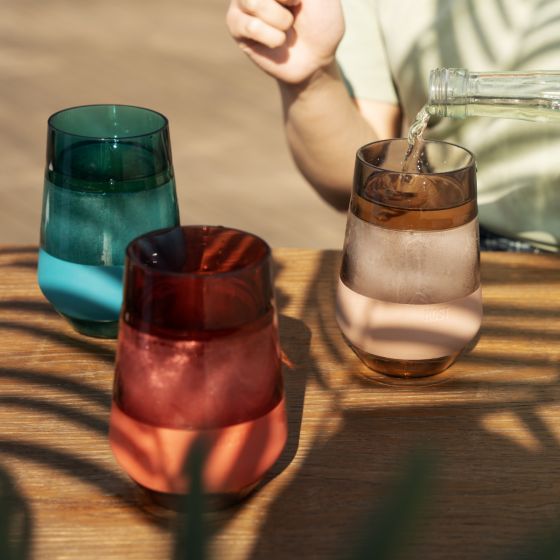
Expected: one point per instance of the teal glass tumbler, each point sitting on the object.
(108, 179)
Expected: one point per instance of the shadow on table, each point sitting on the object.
(24, 257)
(495, 491)
(494, 480)
(294, 379)
(36, 320)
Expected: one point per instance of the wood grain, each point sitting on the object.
(492, 421)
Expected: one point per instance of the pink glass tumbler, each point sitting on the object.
(198, 358)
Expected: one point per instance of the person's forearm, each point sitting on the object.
(324, 129)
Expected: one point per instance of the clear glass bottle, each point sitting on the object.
(459, 93)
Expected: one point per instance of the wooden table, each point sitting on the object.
(493, 421)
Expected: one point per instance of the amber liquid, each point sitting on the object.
(442, 209)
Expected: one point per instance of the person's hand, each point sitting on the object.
(288, 39)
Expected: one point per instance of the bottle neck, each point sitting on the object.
(448, 92)
(458, 93)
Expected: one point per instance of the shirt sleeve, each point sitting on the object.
(361, 54)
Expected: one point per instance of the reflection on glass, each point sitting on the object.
(109, 178)
(198, 358)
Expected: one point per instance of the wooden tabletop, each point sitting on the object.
(492, 423)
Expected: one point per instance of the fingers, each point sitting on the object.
(270, 12)
(263, 21)
(254, 29)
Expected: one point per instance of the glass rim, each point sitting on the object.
(163, 126)
(360, 152)
(198, 274)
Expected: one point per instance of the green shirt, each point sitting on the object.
(387, 53)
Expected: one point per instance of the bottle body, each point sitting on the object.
(458, 93)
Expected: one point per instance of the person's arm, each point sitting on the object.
(325, 127)
(295, 42)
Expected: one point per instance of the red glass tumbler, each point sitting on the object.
(198, 357)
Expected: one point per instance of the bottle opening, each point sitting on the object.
(447, 92)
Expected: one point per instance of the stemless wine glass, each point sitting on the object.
(408, 299)
(198, 357)
(109, 178)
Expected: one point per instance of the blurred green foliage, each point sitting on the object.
(15, 521)
(190, 537)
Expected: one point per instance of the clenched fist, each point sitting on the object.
(288, 39)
